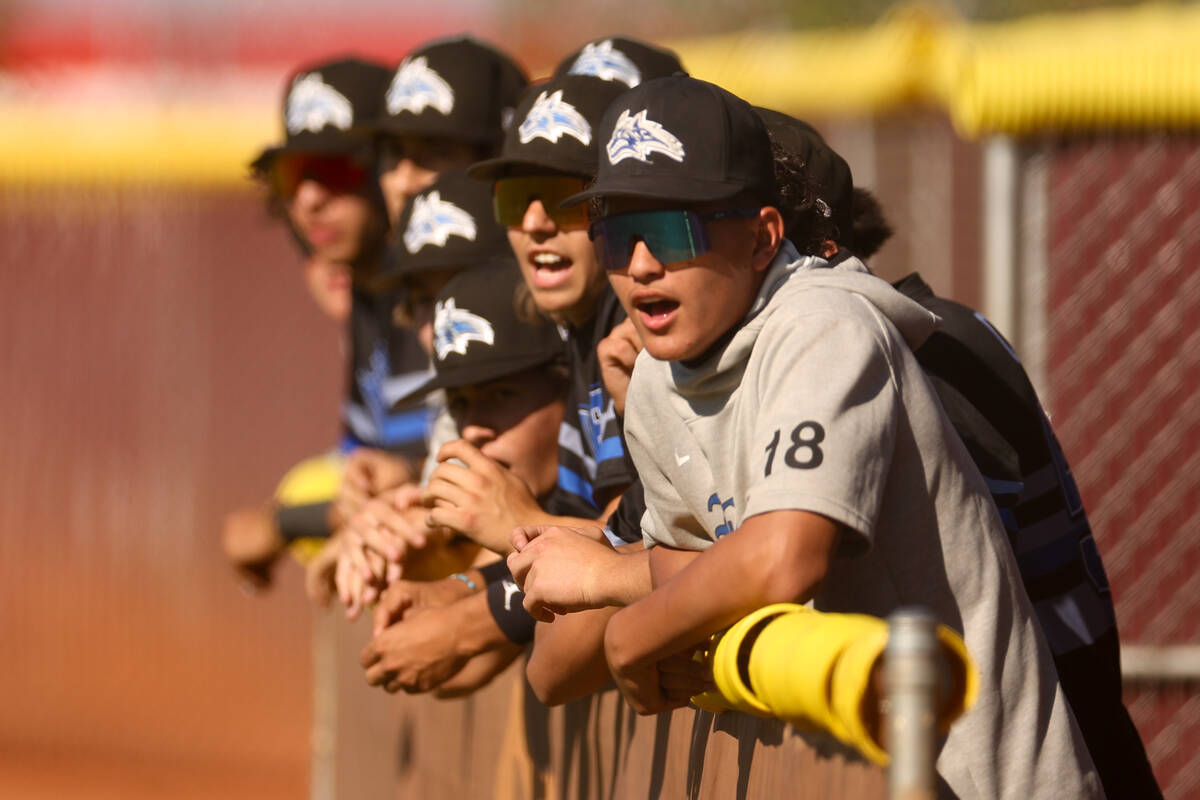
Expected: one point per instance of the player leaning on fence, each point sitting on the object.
(785, 433)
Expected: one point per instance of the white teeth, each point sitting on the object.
(547, 259)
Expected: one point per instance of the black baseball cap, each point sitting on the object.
(623, 59)
(478, 335)
(456, 88)
(554, 130)
(679, 138)
(449, 225)
(828, 171)
(325, 103)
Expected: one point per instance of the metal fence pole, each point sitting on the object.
(911, 665)
(1000, 197)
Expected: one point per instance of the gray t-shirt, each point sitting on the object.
(817, 403)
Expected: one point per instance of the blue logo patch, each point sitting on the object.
(635, 136)
(454, 328)
(606, 62)
(551, 117)
(416, 87)
(726, 526)
(312, 104)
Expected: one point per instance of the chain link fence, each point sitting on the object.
(1122, 353)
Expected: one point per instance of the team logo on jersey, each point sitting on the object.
(607, 63)
(726, 526)
(434, 221)
(312, 104)
(551, 117)
(371, 381)
(635, 136)
(416, 87)
(595, 417)
(510, 590)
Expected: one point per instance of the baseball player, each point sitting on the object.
(504, 379)
(444, 107)
(548, 153)
(784, 432)
(322, 177)
(447, 228)
(319, 182)
(995, 411)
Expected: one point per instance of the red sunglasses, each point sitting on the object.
(338, 174)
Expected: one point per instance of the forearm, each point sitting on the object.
(628, 579)
(567, 661)
(479, 672)
(667, 562)
(477, 631)
(759, 564)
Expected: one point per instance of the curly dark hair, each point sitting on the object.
(806, 218)
(871, 228)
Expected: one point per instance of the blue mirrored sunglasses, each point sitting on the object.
(672, 235)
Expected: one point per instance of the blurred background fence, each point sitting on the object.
(162, 365)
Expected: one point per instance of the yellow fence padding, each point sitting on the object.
(136, 142)
(1114, 69)
(816, 671)
(313, 480)
(818, 73)
(1133, 68)
(1130, 68)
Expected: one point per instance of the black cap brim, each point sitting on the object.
(393, 272)
(492, 369)
(326, 148)
(687, 190)
(418, 130)
(496, 168)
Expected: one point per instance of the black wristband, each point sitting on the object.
(309, 521)
(504, 601)
(495, 571)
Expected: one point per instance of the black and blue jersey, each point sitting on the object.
(386, 364)
(996, 412)
(593, 462)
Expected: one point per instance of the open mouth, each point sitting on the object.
(549, 269)
(551, 261)
(656, 313)
(658, 308)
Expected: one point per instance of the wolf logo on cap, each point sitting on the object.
(434, 221)
(454, 328)
(312, 104)
(416, 87)
(551, 117)
(636, 136)
(606, 62)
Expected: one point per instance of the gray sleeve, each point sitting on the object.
(649, 529)
(823, 434)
